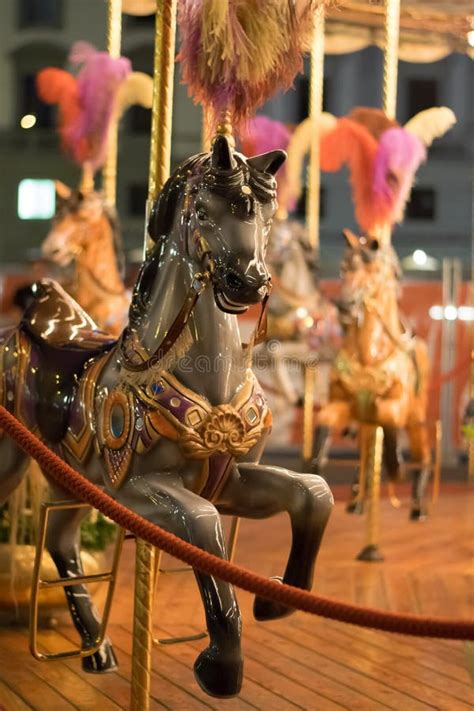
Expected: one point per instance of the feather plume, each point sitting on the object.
(432, 123)
(234, 55)
(298, 147)
(399, 155)
(98, 81)
(374, 120)
(263, 134)
(137, 89)
(351, 143)
(55, 86)
(86, 102)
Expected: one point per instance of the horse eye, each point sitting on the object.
(201, 214)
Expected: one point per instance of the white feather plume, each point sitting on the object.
(298, 147)
(431, 123)
(136, 89)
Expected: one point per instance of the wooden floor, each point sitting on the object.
(302, 662)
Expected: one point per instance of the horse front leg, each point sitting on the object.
(420, 452)
(63, 544)
(258, 491)
(163, 500)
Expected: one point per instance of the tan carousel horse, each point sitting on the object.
(380, 375)
(85, 236)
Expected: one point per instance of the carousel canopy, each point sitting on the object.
(428, 30)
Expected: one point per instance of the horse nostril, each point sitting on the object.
(234, 281)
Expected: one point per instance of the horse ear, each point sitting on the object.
(62, 191)
(269, 162)
(351, 239)
(221, 155)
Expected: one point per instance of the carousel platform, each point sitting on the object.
(302, 662)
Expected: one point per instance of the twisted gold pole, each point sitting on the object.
(114, 41)
(145, 567)
(390, 59)
(373, 440)
(315, 111)
(308, 410)
(162, 106)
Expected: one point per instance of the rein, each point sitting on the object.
(198, 285)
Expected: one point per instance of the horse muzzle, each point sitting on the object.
(235, 291)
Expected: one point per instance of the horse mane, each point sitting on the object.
(226, 183)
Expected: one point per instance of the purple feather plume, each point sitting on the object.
(98, 81)
(399, 155)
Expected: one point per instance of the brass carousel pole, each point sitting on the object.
(147, 563)
(390, 72)
(372, 441)
(162, 107)
(372, 444)
(313, 205)
(114, 41)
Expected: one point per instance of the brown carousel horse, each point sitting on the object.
(85, 240)
(169, 419)
(380, 375)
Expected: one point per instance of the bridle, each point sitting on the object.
(199, 282)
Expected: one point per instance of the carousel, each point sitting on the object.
(224, 475)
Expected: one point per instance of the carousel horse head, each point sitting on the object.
(368, 271)
(220, 206)
(82, 222)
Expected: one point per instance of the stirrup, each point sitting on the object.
(232, 545)
(39, 584)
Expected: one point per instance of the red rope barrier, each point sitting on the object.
(293, 597)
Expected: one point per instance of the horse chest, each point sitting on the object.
(129, 424)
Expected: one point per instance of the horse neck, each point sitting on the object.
(379, 319)
(215, 365)
(97, 263)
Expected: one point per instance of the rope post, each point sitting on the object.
(142, 626)
(315, 111)
(114, 41)
(373, 441)
(308, 410)
(162, 105)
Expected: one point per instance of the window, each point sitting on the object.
(301, 205)
(422, 94)
(30, 103)
(302, 96)
(140, 119)
(138, 21)
(40, 13)
(36, 199)
(422, 205)
(137, 197)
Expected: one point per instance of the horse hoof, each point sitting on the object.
(217, 676)
(265, 610)
(355, 507)
(417, 514)
(102, 661)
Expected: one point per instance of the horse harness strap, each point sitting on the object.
(198, 284)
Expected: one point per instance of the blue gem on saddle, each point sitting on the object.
(157, 388)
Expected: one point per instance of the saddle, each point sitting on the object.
(64, 339)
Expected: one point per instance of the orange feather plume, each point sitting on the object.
(56, 86)
(351, 143)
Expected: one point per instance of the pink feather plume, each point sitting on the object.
(263, 134)
(98, 81)
(399, 155)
